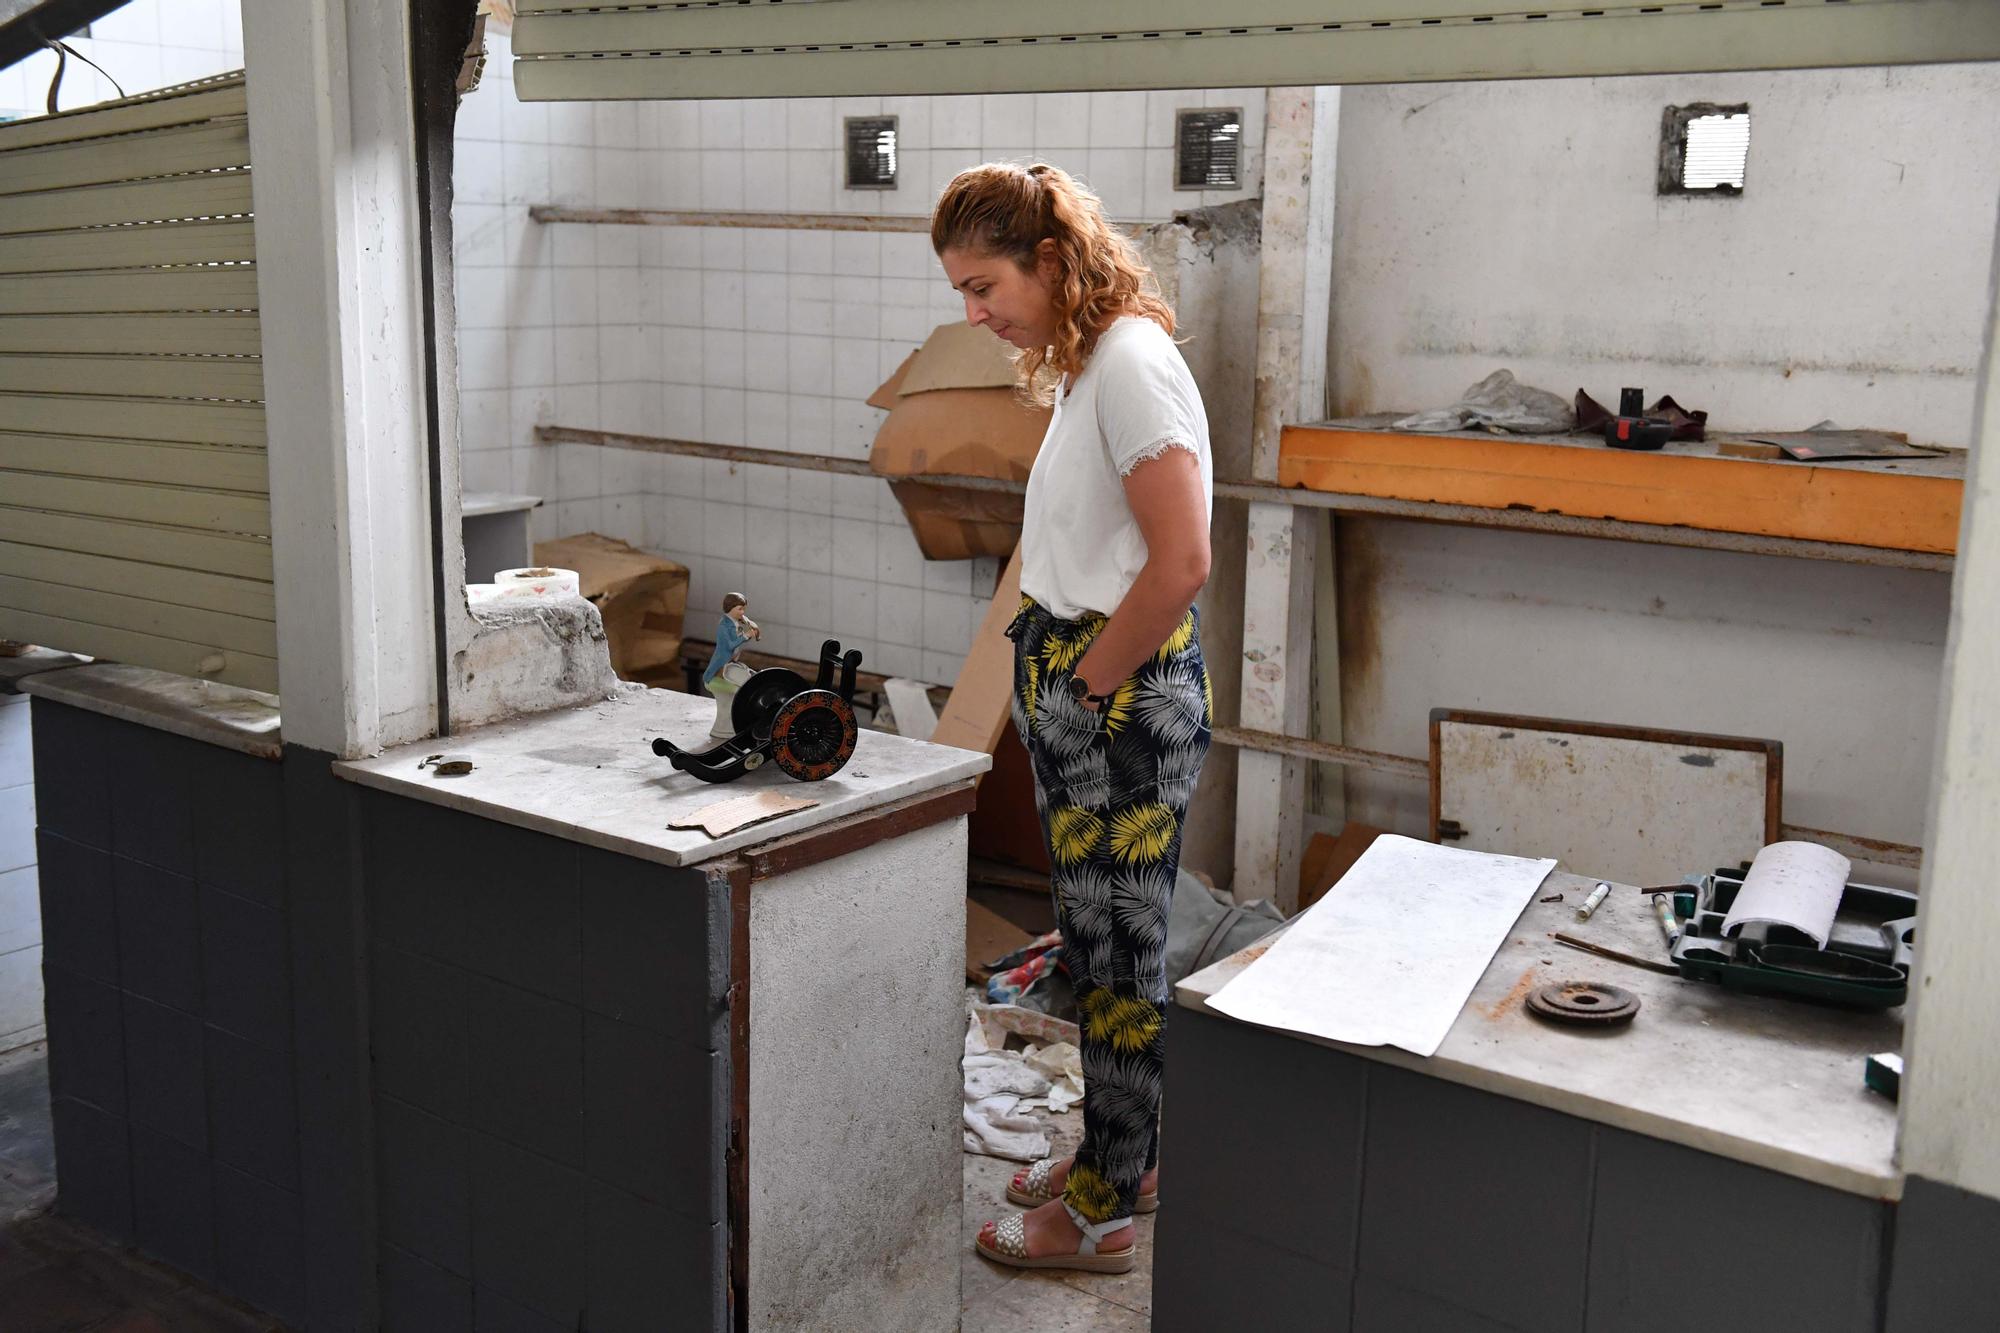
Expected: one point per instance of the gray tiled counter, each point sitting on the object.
(1715, 1164)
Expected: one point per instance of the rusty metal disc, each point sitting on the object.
(1589, 1003)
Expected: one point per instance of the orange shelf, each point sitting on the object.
(1907, 504)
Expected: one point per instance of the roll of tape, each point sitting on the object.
(538, 581)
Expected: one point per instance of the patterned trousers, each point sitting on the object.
(1112, 787)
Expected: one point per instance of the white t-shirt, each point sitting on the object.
(1081, 548)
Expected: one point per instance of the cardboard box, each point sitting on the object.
(642, 597)
(953, 410)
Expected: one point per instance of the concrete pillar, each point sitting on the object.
(332, 142)
(1283, 543)
(1951, 1088)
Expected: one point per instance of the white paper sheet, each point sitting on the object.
(1796, 884)
(1389, 955)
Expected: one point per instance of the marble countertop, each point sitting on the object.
(589, 774)
(225, 715)
(1772, 1082)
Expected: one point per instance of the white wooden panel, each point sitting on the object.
(204, 335)
(167, 584)
(174, 506)
(166, 419)
(208, 466)
(236, 378)
(127, 157)
(251, 670)
(1641, 811)
(206, 194)
(183, 105)
(220, 553)
(146, 245)
(233, 288)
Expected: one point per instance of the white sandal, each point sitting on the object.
(1010, 1246)
(1036, 1190)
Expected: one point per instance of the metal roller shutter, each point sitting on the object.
(135, 516)
(569, 50)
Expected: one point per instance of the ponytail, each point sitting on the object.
(1009, 210)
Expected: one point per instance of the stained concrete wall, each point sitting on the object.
(1482, 225)
(1517, 224)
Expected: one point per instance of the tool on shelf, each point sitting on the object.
(1632, 428)
(1865, 965)
(1615, 955)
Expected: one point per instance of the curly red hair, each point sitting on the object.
(1002, 208)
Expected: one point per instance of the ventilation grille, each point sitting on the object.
(1208, 149)
(871, 153)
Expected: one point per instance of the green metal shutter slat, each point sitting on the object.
(205, 194)
(196, 335)
(867, 47)
(235, 378)
(185, 105)
(150, 245)
(169, 506)
(217, 553)
(126, 157)
(251, 670)
(113, 293)
(166, 420)
(206, 467)
(170, 585)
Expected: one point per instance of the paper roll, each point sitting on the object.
(1793, 884)
(537, 581)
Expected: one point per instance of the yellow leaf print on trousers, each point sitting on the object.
(1118, 712)
(1063, 654)
(1031, 691)
(1090, 1193)
(1074, 834)
(1178, 641)
(1142, 833)
(1124, 1022)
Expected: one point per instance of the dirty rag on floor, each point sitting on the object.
(1004, 1087)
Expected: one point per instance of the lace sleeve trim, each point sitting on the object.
(1155, 450)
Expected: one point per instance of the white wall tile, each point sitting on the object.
(854, 612)
(1008, 118)
(809, 252)
(956, 122)
(1118, 120)
(766, 181)
(722, 416)
(809, 492)
(767, 416)
(765, 302)
(721, 124)
(899, 615)
(766, 361)
(810, 365)
(1062, 120)
(809, 123)
(722, 179)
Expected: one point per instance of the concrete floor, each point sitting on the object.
(1007, 1300)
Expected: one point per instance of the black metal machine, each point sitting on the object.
(808, 729)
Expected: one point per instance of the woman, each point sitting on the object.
(1111, 697)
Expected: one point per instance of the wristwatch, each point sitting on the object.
(1080, 691)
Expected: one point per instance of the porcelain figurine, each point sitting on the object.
(725, 675)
